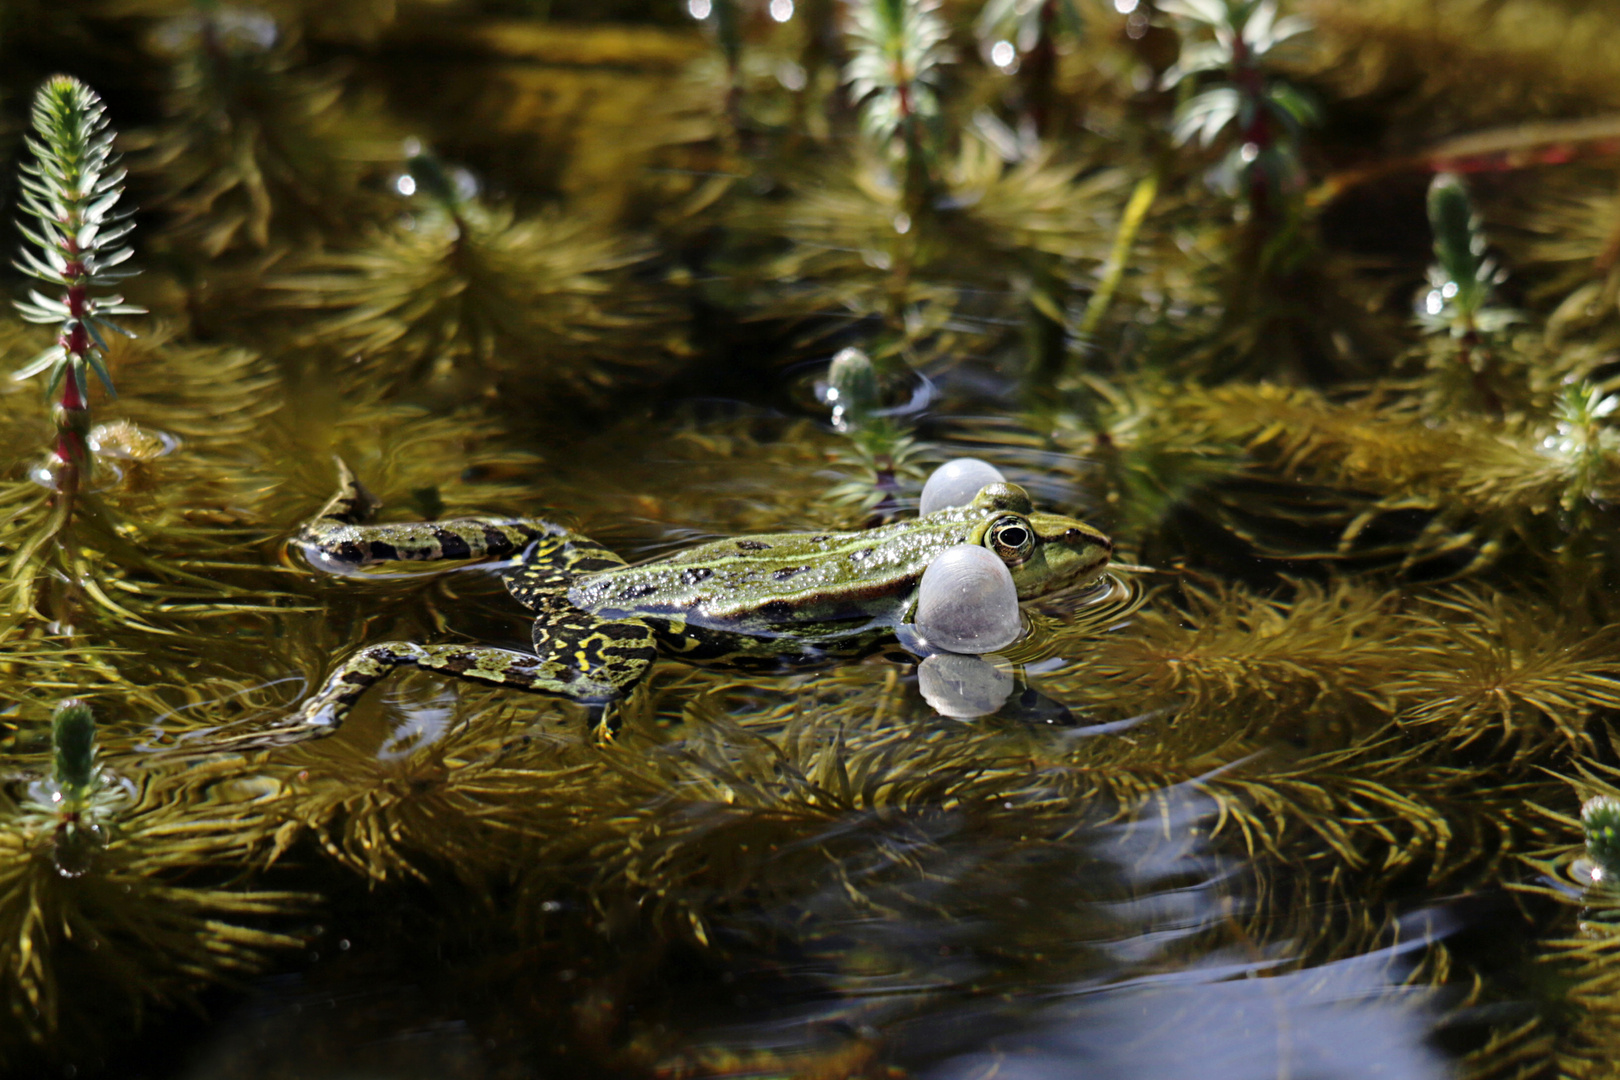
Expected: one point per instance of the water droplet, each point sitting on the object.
(791, 76)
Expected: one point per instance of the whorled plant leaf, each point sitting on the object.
(480, 294)
(256, 145)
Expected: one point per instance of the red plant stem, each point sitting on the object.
(76, 342)
(1251, 83)
(1041, 69)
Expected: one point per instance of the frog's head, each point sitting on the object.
(1045, 552)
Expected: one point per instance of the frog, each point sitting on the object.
(757, 602)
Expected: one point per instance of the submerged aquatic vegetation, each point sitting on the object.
(462, 289)
(116, 903)
(439, 795)
(1373, 634)
(255, 146)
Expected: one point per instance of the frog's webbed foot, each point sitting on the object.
(339, 537)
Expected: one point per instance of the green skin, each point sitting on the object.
(752, 602)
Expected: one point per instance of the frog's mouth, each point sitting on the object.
(1087, 574)
(1061, 573)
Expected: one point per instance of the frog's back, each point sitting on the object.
(773, 582)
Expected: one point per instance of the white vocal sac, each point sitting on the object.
(967, 602)
(956, 482)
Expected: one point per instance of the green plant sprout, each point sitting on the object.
(1600, 817)
(1463, 279)
(882, 451)
(1462, 286)
(73, 750)
(1588, 446)
(75, 781)
(69, 191)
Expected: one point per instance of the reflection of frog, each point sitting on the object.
(753, 601)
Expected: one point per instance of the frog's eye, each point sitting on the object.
(1012, 539)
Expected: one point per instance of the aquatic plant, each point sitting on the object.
(105, 906)
(1263, 112)
(898, 47)
(437, 796)
(69, 190)
(1459, 301)
(73, 748)
(1023, 36)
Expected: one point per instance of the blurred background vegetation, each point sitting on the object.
(1315, 308)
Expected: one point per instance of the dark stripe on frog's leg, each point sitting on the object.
(340, 535)
(550, 566)
(326, 711)
(610, 653)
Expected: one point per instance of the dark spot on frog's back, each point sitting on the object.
(753, 545)
(861, 554)
(636, 592)
(787, 572)
(378, 551)
(453, 546)
(695, 575)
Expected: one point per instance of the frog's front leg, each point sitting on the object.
(340, 537)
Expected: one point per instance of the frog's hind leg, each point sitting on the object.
(340, 536)
(613, 654)
(588, 660)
